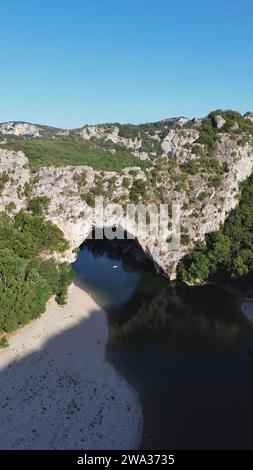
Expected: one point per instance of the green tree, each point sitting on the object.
(38, 205)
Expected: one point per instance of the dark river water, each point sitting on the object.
(188, 351)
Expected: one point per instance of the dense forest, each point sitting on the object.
(227, 253)
(27, 278)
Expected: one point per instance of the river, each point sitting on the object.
(187, 351)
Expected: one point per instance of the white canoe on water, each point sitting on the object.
(247, 309)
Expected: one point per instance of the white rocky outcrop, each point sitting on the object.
(175, 141)
(15, 165)
(112, 133)
(197, 120)
(219, 121)
(89, 132)
(235, 126)
(182, 121)
(248, 117)
(20, 129)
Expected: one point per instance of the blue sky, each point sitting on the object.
(67, 63)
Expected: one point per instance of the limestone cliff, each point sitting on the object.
(180, 168)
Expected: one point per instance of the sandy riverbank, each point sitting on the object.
(56, 389)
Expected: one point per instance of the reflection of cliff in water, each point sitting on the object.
(186, 316)
(186, 350)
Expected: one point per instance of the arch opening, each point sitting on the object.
(128, 249)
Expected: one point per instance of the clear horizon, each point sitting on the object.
(69, 64)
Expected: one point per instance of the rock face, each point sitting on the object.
(204, 205)
(219, 121)
(249, 117)
(14, 164)
(25, 130)
(174, 142)
(182, 121)
(20, 129)
(111, 133)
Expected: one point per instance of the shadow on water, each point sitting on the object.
(187, 351)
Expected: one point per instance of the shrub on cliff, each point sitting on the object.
(138, 192)
(3, 342)
(38, 205)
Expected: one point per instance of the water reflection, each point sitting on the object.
(179, 315)
(187, 351)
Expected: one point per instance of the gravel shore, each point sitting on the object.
(56, 389)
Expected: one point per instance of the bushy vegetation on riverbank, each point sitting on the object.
(228, 252)
(27, 279)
